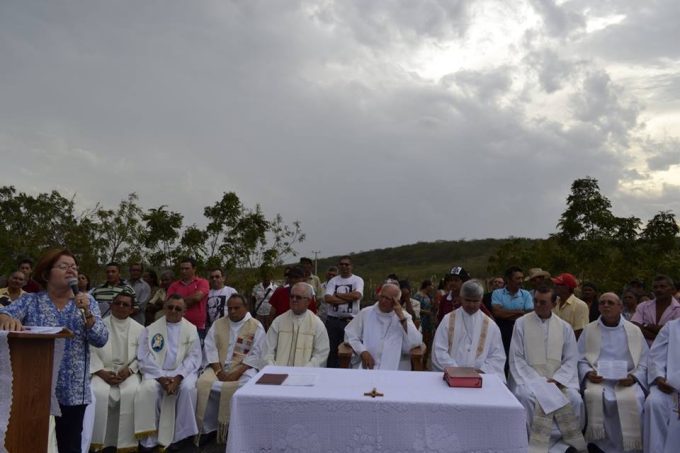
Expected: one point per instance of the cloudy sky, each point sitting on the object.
(375, 123)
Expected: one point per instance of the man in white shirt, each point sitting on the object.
(115, 378)
(466, 337)
(260, 296)
(543, 349)
(613, 404)
(169, 355)
(232, 350)
(383, 334)
(662, 408)
(297, 337)
(142, 291)
(343, 296)
(217, 296)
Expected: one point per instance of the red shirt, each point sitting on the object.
(280, 300)
(197, 313)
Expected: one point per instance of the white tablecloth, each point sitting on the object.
(419, 412)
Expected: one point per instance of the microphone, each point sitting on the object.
(73, 283)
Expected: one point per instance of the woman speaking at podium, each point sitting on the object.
(56, 306)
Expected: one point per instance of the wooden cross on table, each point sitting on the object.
(373, 393)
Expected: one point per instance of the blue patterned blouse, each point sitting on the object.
(73, 382)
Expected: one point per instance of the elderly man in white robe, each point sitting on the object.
(613, 372)
(467, 337)
(543, 349)
(383, 334)
(662, 408)
(115, 379)
(298, 337)
(232, 349)
(170, 357)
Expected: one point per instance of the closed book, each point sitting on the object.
(272, 379)
(462, 377)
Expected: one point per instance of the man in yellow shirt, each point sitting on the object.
(569, 307)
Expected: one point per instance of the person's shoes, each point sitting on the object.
(207, 438)
(592, 448)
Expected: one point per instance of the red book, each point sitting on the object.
(462, 377)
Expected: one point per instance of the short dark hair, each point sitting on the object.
(175, 296)
(666, 278)
(137, 263)
(511, 270)
(545, 289)
(217, 269)
(238, 296)
(188, 259)
(126, 293)
(305, 260)
(425, 283)
(46, 262)
(345, 257)
(24, 261)
(113, 263)
(590, 285)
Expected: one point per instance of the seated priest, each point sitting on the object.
(115, 378)
(232, 350)
(298, 337)
(169, 355)
(543, 349)
(383, 334)
(613, 372)
(467, 337)
(662, 409)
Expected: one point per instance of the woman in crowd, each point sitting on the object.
(154, 307)
(426, 325)
(84, 283)
(57, 306)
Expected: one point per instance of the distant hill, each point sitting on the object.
(422, 260)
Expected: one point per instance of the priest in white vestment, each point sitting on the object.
(298, 337)
(115, 379)
(467, 337)
(543, 349)
(232, 350)
(614, 401)
(383, 334)
(170, 357)
(662, 408)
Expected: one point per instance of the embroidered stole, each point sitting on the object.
(626, 398)
(482, 336)
(546, 359)
(244, 343)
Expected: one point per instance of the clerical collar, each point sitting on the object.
(383, 314)
(300, 316)
(237, 324)
(115, 320)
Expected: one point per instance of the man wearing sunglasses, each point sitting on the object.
(613, 372)
(115, 378)
(169, 356)
(297, 337)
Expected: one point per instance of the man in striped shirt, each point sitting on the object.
(113, 286)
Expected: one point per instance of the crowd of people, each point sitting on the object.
(155, 361)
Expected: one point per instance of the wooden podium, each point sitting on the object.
(32, 357)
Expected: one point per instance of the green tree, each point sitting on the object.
(119, 233)
(162, 231)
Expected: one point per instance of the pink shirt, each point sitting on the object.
(645, 313)
(197, 313)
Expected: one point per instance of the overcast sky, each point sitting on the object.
(374, 123)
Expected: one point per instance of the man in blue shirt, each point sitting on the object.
(510, 303)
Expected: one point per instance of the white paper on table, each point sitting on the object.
(612, 369)
(300, 380)
(42, 329)
(548, 395)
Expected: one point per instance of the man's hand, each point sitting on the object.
(553, 381)
(109, 377)
(593, 377)
(663, 385)
(124, 373)
(628, 381)
(9, 323)
(173, 384)
(367, 360)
